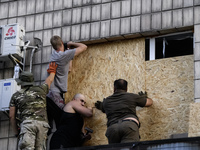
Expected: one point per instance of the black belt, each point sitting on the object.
(132, 121)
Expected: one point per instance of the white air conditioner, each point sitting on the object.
(12, 34)
(7, 88)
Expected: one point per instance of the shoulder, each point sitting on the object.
(14, 98)
(69, 51)
(75, 104)
(40, 88)
(122, 94)
(132, 94)
(18, 93)
(44, 86)
(72, 103)
(69, 107)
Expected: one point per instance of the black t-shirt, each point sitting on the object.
(68, 133)
(122, 105)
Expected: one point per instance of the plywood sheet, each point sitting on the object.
(94, 72)
(194, 121)
(169, 82)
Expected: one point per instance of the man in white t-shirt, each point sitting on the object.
(62, 55)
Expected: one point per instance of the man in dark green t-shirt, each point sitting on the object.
(120, 108)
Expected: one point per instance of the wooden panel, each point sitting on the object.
(94, 72)
(169, 82)
(194, 122)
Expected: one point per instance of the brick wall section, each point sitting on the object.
(197, 51)
(197, 62)
(93, 21)
(88, 17)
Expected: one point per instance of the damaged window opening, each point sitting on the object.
(169, 46)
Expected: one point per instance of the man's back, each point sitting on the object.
(121, 105)
(120, 108)
(62, 59)
(31, 103)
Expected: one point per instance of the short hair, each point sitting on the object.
(120, 84)
(78, 95)
(56, 42)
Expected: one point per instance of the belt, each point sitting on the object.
(126, 120)
(132, 121)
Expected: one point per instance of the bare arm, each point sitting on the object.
(70, 66)
(13, 119)
(52, 71)
(80, 47)
(50, 79)
(83, 128)
(149, 102)
(87, 112)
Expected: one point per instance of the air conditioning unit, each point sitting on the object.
(7, 88)
(12, 34)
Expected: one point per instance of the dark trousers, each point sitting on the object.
(123, 132)
(53, 112)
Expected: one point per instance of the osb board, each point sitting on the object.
(169, 82)
(194, 123)
(94, 72)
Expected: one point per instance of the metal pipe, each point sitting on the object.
(31, 59)
(24, 49)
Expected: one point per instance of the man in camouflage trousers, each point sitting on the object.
(29, 104)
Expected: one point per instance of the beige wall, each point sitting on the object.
(168, 81)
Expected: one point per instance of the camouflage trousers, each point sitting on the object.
(33, 135)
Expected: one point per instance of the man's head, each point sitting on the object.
(25, 79)
(120, 85)
(57, 43)
(80, 98)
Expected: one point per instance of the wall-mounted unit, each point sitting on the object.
(10, 35)
(7, 88)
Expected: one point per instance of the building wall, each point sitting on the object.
(169, 82)
(7, 139)
(96, 69)
(93, 21)
(113, 22)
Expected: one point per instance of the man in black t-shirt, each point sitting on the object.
(120, 108)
